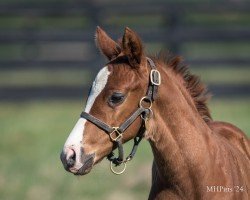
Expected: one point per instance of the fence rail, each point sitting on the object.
(183, 34)
(53, 92)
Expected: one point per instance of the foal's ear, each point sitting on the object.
(132, 47)
(106, 45)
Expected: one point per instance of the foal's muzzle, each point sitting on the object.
(77, 162)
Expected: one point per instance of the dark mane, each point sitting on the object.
(196, 88)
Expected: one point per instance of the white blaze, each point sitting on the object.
(98, 85)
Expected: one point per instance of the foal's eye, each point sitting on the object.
(116, 98)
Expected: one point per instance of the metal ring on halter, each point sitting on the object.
(146, 99)
(119, 172)
(149, 115)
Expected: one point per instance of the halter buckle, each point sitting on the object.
(115, 135)
(155, 77)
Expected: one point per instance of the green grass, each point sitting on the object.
(32, 135)
(235, 111)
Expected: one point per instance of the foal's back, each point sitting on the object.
(233, 135)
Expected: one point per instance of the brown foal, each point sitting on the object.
(194, 156)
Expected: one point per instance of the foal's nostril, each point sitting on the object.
(70, 158)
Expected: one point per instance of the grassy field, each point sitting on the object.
(32, 135)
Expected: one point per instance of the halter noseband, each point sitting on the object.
(116, 133)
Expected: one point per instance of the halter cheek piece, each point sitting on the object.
(144, 110)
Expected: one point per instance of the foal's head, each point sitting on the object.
(114, 95)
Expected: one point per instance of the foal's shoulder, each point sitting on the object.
(232, 134)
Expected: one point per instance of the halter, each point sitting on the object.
(116, 133)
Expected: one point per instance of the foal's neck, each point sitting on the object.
(177, 136)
